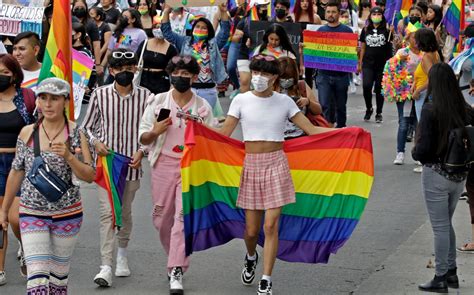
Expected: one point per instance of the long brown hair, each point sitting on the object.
(288, 70)
(298, 11)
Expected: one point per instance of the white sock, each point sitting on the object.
(268, 278)
(122, 252)
(252, 258)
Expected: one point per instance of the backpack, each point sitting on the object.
(460, 150)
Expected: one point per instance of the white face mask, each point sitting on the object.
(260, 83)
(157, 33)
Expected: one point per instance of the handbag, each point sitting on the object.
(460, 150)
(316, 120)
(50, 185)
(137, 78)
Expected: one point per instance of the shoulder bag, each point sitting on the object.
(138, 75)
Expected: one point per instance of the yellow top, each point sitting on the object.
(420, 76)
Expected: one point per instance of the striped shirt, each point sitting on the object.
(114, 120)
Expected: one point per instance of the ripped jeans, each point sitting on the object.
(168, 209)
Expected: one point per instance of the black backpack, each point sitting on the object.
(459, 155)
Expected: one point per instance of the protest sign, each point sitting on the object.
(293, 30)
(81, 72)
(330, 51)
(15, 19)
(194, 3)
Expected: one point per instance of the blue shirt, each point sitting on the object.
(339, 29)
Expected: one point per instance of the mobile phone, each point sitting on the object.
(164, 114)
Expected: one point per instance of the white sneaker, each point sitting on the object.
(176, 281)
(352, 88)
(20, 251)
(418, 163)
(104, 277)
(357, 80)
(3, 278)
(122, 269)
(399, 159)
(418, 169)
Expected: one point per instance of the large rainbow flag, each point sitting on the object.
(453, 18)
(57, 61)
(396, 10)
(111, 174)
(332, 173)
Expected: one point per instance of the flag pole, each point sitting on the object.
(393, 20)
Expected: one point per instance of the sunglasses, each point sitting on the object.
(186, 59)
(127, 54)
(265, 57)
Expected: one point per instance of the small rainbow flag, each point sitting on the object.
(330, 51)
(111, 174)
(397, 8)
(454, 18)
(332, 173)
(57, 61)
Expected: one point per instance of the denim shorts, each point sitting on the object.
(6, 160)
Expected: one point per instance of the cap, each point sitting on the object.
(53, 86)
(259, 2)
(376, 9)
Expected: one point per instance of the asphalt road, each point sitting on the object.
(393, 213)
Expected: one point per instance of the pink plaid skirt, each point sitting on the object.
(265, 182)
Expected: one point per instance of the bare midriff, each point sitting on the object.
(259, 147)
(7, 150)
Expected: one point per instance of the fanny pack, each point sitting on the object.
(48, 183)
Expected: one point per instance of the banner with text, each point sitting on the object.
(330, 51)
(15, 19)
(194, 3)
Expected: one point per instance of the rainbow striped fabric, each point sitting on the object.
(111, 174)
(57, 61)
(454, 18)
(332, 173)
(396, 10)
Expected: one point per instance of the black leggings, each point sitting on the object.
(372, 79)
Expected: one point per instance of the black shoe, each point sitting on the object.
(409, 137)
(368, 114)
(452, 278)
(264, 288)
(221, 94)
(378, 118)
(248, 273)
(436, 285)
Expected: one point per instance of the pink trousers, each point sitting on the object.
(168, 209)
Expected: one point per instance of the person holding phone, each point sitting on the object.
(162, 129)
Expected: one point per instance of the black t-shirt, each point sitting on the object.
(92, 30)
(243, 26)
(378, 48)
(112, 15)
(103, 28)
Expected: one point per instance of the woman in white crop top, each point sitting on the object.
(265, 184)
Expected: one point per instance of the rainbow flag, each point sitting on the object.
(332, 173)
(330, 51)
(57, 61)
(396, 10)
(111, 174)
(454, 18)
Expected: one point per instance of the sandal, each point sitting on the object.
(466, 248)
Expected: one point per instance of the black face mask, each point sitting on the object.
(124, 78)
(5, 82)
(414, 19)
(263, 15)
(79, 12)
(124, 21)
(181, 84)
(280, 13)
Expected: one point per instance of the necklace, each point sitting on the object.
(51, 140)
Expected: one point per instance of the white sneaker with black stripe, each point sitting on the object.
(264, 288)
(248, 272)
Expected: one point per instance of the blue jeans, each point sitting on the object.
(232, 57)
(403, 123)
(6, 160)
(419, 104)
(332, 91)
(209, 94)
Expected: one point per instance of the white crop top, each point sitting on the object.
(263, 118)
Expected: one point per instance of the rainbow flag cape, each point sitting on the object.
(453, 19)
(111, 174)
(332, 173)
(57, 61)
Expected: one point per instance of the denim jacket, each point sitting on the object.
(182, 43)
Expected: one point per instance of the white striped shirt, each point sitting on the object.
(114, 120)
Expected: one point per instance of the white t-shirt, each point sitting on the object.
(263, 118)
(30, 79)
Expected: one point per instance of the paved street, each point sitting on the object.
(387, 253)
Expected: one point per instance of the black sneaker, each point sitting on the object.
(221, 94)
(248, 273)
(264, 288)
(378, 118)
(368, 114)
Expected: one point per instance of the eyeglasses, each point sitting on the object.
(120, 54)
(186, 59)
(265, 57)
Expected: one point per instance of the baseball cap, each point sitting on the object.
(53, 86)
(376, 9)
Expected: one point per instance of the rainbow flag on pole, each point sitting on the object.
(454, 18)
(111, 174)
(332, 174)
(57, 61)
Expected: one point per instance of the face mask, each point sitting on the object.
(260, 83)
(157, 33)
(414, 19)
(124, 21)
(344, 5)
(5, 82)
(280, 13)
(124, 78)
(79, 12)
(199, 34)
(286, 83)
(143, 11)
(263, 15)
(376, 19)
(181, 84)
(344, 20)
